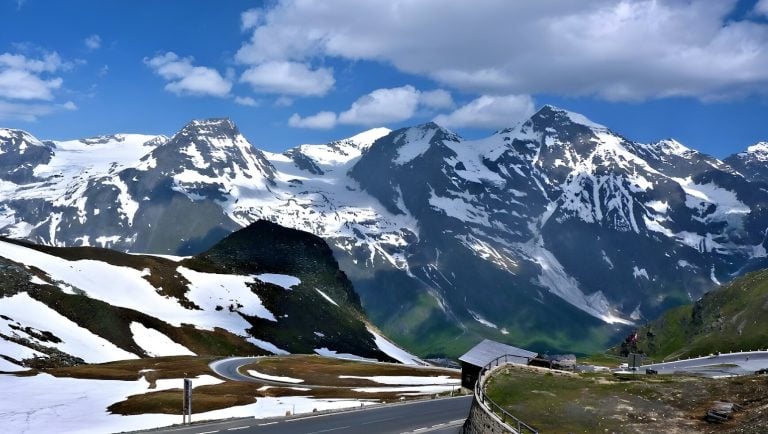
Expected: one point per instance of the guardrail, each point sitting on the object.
(506, 417)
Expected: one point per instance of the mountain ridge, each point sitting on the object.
(405, 211)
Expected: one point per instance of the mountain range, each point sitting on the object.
(556, 233)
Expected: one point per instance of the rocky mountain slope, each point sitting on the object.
(262, 290)
(554, 233)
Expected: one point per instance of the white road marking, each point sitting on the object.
(208, 432)
(329, 430)
(237, 428)
(268, 423)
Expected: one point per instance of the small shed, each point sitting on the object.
(473, 361)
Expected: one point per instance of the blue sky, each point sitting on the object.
(290, 72)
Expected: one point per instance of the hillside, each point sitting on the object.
(733, 317)
(262, 290)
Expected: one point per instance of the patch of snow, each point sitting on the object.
(413, 390)
(557, 281)
(482, 320)
(640, 272)
(283, 280)
(661, 207)
(325, 352)
(394, 351)
(209, 290)
(325, 296)
(416, 141)
(157, 344)
(458, 208)
(407, 379)
(76, 340)
(277, 378)
(713, 277)
(40, 402)
(268, 346)
(6, 366)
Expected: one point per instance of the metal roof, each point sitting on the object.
(487, 350)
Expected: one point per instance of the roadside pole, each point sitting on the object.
(186, 411)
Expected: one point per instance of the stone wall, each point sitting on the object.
(481, 421)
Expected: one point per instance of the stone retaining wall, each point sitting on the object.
(481, 421)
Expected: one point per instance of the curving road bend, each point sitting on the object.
(230, 369)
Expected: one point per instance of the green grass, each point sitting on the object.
(731, 318)
(598, 403)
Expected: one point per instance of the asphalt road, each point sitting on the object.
(716, 365)
(229, 369)
(436, 416)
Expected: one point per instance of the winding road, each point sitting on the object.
(434, 416)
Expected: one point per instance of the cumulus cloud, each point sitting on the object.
(761, 8)
(289, 78)
(186, 79)
(322, 121)
(246, 101)
(93, 42)
(613, 49)
(31, 112)
(26, 78)
(489, 111)
(437, 99)
(249, 19)
(49, 62)
(380, 107)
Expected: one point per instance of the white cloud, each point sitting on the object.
(437, 99)
(489, 112)
(185, 79)
(761, 8)
(27, 78)
(382, 106)
(50, 62)
(246, 101)
(614, 49)
(19, 84)
(323, 121)
(93, 42)
(250, 19)
(289, 78)
(31, 112)
(284, 101)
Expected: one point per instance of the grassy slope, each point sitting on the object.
(601, 403)
(733, 317)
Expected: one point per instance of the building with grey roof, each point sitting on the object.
(473, 361)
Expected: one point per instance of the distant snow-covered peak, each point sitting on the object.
(366, 138)
(550, 111)
(673, 147)
(18, 138)
(415, 141)
(758, 151)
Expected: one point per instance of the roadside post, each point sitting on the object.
(635, 360)
(186, 411)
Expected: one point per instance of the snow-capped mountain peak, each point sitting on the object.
(365, 139)
(565, 116)
(317, 159)
(758, 151)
